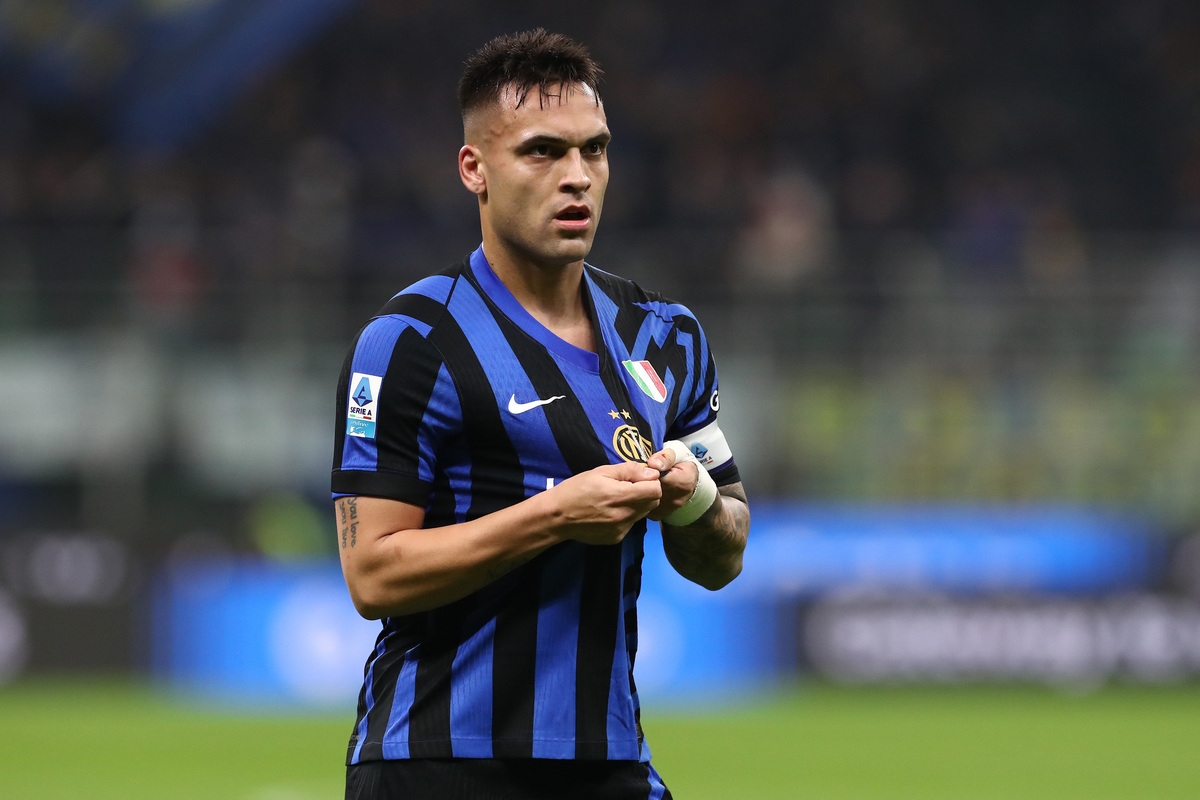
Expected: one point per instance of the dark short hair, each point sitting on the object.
(525, 60)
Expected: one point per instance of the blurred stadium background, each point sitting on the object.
(949, 257)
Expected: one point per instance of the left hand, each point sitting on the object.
(678, 482)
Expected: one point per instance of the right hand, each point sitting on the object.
(601, 505)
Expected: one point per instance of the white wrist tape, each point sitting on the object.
(702, 496)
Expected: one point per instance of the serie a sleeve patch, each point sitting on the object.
(362, 406)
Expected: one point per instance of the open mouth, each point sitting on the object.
(573, 215)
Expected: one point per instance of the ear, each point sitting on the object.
(470, 169)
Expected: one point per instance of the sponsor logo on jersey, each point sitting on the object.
(520, 408)
(701, 454)
(714, 402)
(647, 379)
(631, 445)
(363, 406)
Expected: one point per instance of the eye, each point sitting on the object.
(594, 148)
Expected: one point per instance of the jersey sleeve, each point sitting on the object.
(396, 404)
(695, 424)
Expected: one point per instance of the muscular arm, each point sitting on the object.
(393, 566)
(708, 551)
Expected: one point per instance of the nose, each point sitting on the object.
(575, 177)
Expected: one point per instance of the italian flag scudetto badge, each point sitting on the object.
(647, 379)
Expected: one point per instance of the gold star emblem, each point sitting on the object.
(613, 414)
(625, 414)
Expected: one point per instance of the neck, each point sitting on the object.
(552, 294)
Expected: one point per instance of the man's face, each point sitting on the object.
(542, 172)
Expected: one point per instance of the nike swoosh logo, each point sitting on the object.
(521, 408)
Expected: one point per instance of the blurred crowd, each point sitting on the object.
(755, 143)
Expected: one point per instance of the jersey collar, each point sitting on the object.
(499, 294)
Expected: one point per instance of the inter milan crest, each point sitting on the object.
(631, 445)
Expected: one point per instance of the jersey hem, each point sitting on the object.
(464, 747)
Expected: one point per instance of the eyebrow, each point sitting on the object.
(547, 138)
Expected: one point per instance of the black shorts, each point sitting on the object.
(503, 779)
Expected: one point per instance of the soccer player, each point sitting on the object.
(505, 429)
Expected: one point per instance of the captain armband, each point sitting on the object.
(709, 447)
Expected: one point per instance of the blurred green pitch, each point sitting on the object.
(110, 740)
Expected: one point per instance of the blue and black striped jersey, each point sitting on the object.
(456, 399)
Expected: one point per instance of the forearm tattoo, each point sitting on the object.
(709, 551)
(348, 519)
